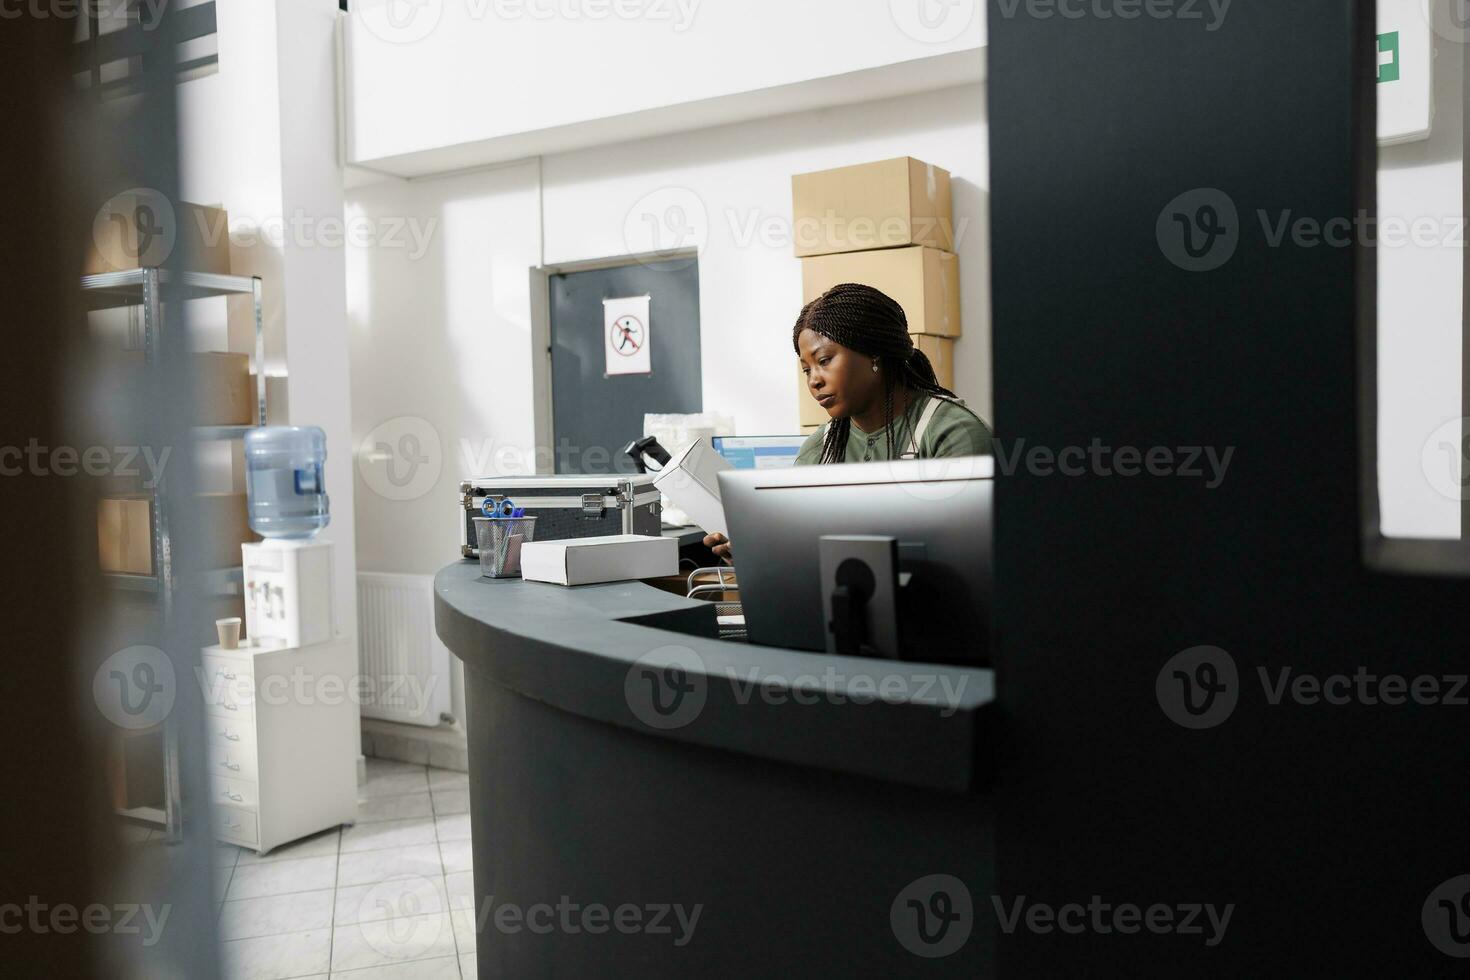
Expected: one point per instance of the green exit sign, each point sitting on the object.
(1388, 57)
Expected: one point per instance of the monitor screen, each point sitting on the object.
(939, 513)
(759, 452)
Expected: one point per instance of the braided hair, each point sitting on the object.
(870, 322)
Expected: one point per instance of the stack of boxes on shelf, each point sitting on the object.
(888, 225)
(135, 236)
(281, 709)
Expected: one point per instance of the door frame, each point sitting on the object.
(543, 426)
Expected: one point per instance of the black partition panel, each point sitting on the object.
(594, 413)
(1149, 604)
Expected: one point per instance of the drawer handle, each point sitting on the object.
(231, 706)
(231, 765)
(234, 796)
(232, 824)
(224, 733)
(227, 676)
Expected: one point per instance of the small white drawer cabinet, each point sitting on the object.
(282, 732)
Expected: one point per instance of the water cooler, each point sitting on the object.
(288, 592)
(283, 731)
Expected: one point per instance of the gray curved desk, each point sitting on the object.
(623, 758)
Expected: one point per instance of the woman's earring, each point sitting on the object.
(875, 367)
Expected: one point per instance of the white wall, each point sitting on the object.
(732, 186)
(260, 139)
(445, 73)
(441, 354)
(1420, 320)
(446, 337)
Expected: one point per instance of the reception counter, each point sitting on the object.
(629, 771)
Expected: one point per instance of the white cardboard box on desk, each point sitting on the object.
(585, 561)
(282, 740)
(288, 591)
(690, 480)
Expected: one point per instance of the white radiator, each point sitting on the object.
(405, 666)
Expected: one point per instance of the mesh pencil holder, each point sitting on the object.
(499, 541)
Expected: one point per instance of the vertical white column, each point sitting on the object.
(314, 269)
(268, 126)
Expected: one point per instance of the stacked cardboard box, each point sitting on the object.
(132, 233)
(889, 225)
(224, 388)
(125, 532)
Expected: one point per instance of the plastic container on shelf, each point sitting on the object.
(283, 480)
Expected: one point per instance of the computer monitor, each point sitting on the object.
(759, 452)
(939, 510)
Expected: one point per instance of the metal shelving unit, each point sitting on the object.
(141, 287)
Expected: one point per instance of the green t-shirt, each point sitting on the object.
(953, 431)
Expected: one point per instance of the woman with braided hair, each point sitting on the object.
(879, 390)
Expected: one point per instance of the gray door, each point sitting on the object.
(594, 415)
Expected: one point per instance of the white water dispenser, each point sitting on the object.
(288, 591)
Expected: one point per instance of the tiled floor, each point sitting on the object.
(386, 899)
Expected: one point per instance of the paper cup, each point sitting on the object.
(229, 632)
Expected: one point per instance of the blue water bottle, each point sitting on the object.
(283, 480)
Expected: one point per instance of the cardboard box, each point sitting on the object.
(690, 481)
(125, 535)
(224, 525)
(199, 233)
(613, 558)
(886, 204)
(939, 350)
(924, 281)
(135, 768)
(224, 388)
